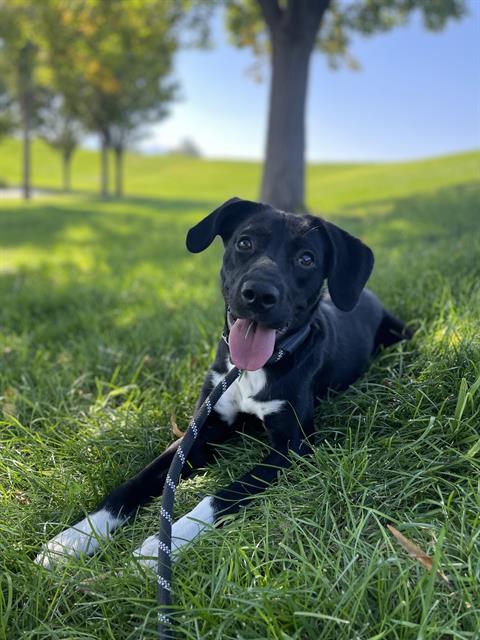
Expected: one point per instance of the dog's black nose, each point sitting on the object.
(259, 295)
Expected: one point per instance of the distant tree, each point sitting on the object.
(146, 91)
(112, 61)
(59, 128)
(187, 147)
(289, 31)
(131, 120)
(19, 70)
(7, 118)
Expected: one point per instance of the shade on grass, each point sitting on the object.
(107, 326)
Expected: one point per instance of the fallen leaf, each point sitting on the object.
(415, 552)
(175, 428)
(21, 497)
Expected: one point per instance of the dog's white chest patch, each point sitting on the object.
(239, 398)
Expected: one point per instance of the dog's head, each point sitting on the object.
(274, 268)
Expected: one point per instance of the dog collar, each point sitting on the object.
(286, 345)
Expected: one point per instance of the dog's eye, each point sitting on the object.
(306, 259)
(244, 244)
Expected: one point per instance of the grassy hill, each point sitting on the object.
(107, 326)
(172, 177)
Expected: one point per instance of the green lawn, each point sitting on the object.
(107, 326)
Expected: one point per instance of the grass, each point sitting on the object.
(107, 326)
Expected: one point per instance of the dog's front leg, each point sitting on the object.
(289, 431)
(86, 536)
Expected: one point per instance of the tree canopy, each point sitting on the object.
(101, 64)
(111, 62)
(249, 21)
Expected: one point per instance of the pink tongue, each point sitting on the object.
(250, 350)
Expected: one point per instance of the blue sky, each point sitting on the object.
(417, 94)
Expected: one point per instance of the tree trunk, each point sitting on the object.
(25, 94)
(119, 171)
(104, 177)
(283, 183)
(66, 170)
(26, 144)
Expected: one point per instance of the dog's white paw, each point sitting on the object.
(82, 538)
(184, 530)
(147, 553)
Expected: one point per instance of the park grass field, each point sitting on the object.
(107, 326)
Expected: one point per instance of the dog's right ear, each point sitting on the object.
(221, 222)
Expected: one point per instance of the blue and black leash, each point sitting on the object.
(164, 566)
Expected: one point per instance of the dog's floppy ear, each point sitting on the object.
(221, 222)
(350, 264)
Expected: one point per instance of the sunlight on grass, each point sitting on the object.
(447, 336)
(106, 329)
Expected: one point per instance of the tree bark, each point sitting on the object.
(66, 170)
(293, 30)
(26, 147)
(283, 183)
(119, 172)
(25, 93)
(104, 174)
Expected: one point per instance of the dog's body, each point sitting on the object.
(273, 275)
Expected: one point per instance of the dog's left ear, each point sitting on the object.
(221, 222)
(350, 263)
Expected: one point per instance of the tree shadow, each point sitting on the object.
(138, 243)
(114, 234)
(123, 260)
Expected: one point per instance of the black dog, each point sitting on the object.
(294, 341)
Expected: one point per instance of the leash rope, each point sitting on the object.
(164, 566)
